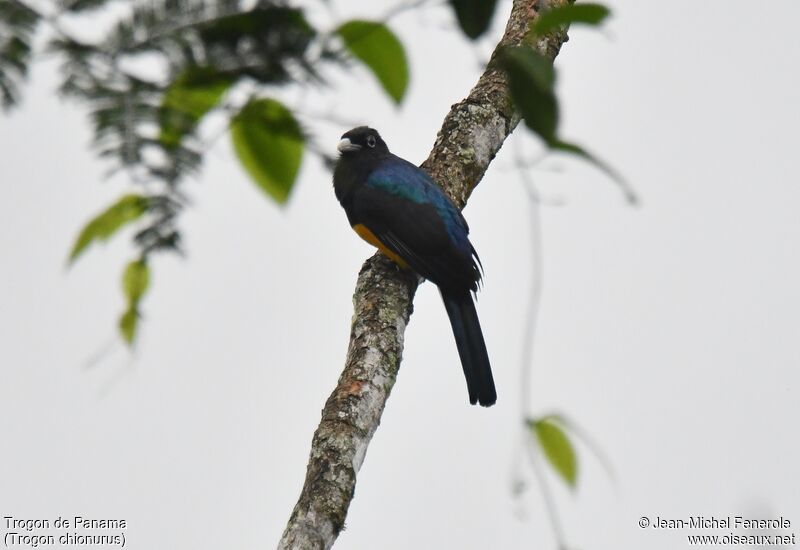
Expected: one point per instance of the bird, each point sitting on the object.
(398, 208)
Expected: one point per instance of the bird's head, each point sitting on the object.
(362, 141)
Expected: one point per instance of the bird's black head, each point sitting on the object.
(362, 141)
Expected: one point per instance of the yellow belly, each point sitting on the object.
(370, 237)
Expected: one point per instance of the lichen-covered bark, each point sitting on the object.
(472, 133)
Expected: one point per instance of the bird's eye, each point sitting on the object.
(371, 141)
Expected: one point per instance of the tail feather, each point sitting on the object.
(471, 347)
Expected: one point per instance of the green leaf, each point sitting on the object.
(557, 448)
(190, 96)
(569, 14)
(127, 325)
(574, 149)
(135, 281)
(197, 91)
(474, 16)
(381, 51)
(531, 79)
(268, 141)
(104, 225)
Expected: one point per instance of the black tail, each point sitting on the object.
(471, 347)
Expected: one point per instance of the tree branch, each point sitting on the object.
(470, 137)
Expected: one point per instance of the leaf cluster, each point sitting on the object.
(18, 24)
(149, 122)
(161, 71)
(532, 80)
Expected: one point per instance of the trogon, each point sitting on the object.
(398, 208)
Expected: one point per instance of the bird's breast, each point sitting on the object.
(364, 232)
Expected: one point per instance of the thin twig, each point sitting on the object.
(535, 292)
(528, 340)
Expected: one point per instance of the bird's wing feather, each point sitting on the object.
(413, 217)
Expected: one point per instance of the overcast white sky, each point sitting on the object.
(669, 332)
